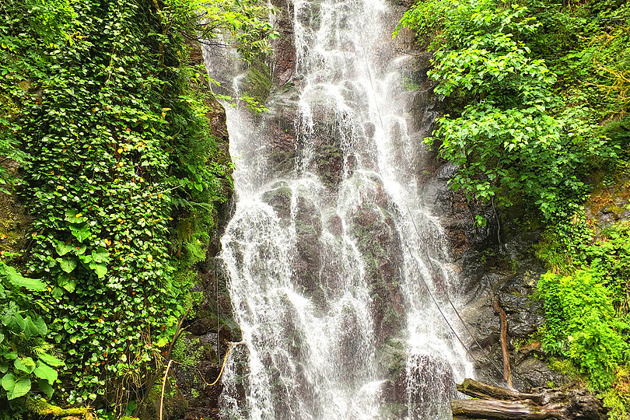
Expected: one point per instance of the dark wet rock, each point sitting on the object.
(284, 54)
(280, 199)
(308, 227)
(379, 243)
(533, 371)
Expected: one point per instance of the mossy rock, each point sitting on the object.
(14, 221)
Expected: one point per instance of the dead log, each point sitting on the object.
(495, 409)
(500, 403)
(478, 389)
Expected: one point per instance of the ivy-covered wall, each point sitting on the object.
(124, 174)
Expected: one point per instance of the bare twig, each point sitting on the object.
(170, 362)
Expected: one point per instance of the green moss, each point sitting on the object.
(393, 356)
(617, 398)
(14, 223)
(43, 408)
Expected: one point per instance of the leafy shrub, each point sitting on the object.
(508, 139)
(586, 301)
(24, 354)
(581, 325)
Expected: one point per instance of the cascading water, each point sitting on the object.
(336, 264)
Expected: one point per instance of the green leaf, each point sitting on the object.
(14, 321)
(30, 329)
(50, 359)
(45, 387)
(42, 329)
(67, 283)
(99, 269)
(18, 280)
(101, 255)
(68, 264)
(15, 387)
(9, 355)
(81, 232)
(25, 364)
(57, 292)
(8, 382)
(44, 371)
(1, 337)
(73, 217)
(63, 248)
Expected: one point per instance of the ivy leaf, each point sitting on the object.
(50, 359)
(13, 320)
(73, 217)
(68, 264)
(99, 269)
(25, 364)
(15, 387)
(42, 329)
(9, 355)
(44, 371)
(67, 283)
(63, 248)
(30, 329)
(81, 232)
(57, 292)
(101, 255)
(8, 381)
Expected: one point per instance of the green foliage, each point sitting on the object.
(587, 304)
(47, 20)
(244, 21)
(122, 175)
(581, 325)
(511, 139)
(24, 354)
(537, 99)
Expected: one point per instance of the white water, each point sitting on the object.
(329, 273)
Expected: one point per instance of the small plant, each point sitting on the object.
(25, 360)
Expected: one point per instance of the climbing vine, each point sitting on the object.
(122, 175)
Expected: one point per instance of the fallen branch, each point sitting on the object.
(502, 403)
(496, 409)
(42, 408)
(507, 377)
(170, 362)
(490, 392)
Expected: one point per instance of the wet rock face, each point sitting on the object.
(489, 264)
(308, 228)
(378, 241)
(508, 270)
(14, 220)
(284, 51)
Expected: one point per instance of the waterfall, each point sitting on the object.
(336, 263)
